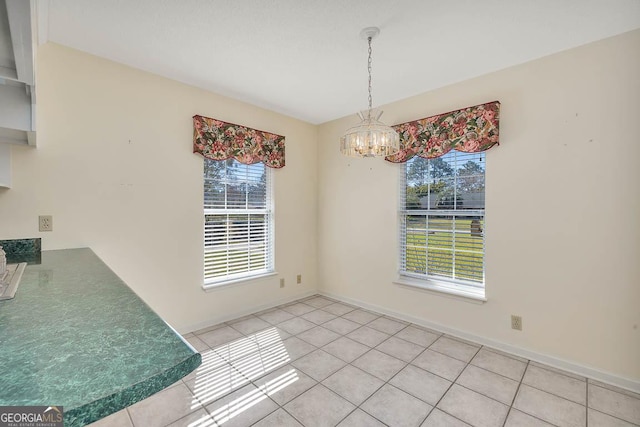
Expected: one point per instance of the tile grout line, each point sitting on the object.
(267, 397)
(467, 364)
(289, 363)
(251, 382)
(610, 387)
(455, 380)
(374, 348)
(495, 373)
(553, 394)
(229, 362)
(433, 407)
(558, 372)
(515, 394)
(535, 388)
(613, 416)
(586, 404)
(449, 388)
(357, 406)
(277, 404)
(289, 413)
(406, 364)
(129, 416)
(348, 363)
(615, 389)
(355, 367)
(479, 367)
(455, 358)
(605, 413)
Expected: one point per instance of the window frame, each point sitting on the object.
(269, 231)
(457, 288)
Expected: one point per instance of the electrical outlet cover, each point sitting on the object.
(45, 223)
(516, 322)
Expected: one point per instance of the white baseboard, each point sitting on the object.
(245, 312)
(555, 362)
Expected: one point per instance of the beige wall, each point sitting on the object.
(562, 210)
(115, 168)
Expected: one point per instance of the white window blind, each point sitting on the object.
(442, 218)
(238, 221)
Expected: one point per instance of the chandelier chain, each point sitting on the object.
(369, 70)
(371, 137)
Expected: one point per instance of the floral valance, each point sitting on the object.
(470, 130)
(218, 140)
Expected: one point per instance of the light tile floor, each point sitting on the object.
(319, 362)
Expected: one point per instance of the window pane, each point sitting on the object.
(417, 184)
(445, 240)
(470, 181)
(256, 186)
(441, 167)
(238, 221)
(214, 184)
(416, 243)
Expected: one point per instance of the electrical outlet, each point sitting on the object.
(45, 223)
(299, 279)
(516, 322)
(282, 283)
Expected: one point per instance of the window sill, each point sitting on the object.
(465, 293)
(236, 282)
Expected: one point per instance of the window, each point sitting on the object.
(238, 221)
(442, 220)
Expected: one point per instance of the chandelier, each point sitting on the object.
(371, 137)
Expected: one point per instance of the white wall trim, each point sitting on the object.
(247, 280)
(5, 165)
(42, 18)
(546, 359)
(461, 293)
(255, 309)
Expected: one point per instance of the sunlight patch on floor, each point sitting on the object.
(233, 365)
(275, 385)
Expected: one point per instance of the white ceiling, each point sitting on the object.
(305, 58)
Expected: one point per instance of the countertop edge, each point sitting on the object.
(108, 405)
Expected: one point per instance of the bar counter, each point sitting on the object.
(76, 335)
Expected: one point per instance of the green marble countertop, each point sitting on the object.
(76, 335)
